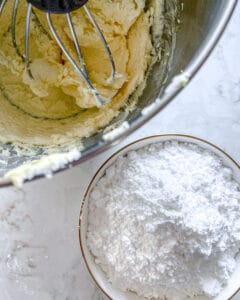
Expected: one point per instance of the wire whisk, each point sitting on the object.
(63, 7)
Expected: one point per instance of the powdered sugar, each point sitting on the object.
(165, 221)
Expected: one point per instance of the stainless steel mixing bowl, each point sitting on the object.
(183, 52)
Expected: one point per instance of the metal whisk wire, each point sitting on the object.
(13, 29)
(84, 76)
(76, 44)
(26, 40)
(80, 68)
(2, 4)
(102, 38)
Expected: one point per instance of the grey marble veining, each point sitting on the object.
(39, 250)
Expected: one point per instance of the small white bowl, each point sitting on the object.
(96, 273)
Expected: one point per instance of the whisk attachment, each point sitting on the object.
(61, 7)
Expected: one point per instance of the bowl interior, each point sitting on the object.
(97, 274)
(201, 22)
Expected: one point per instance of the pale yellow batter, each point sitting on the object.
(56, 107)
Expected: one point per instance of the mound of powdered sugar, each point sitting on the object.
(164, 221)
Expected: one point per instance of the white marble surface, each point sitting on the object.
(39, 249)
